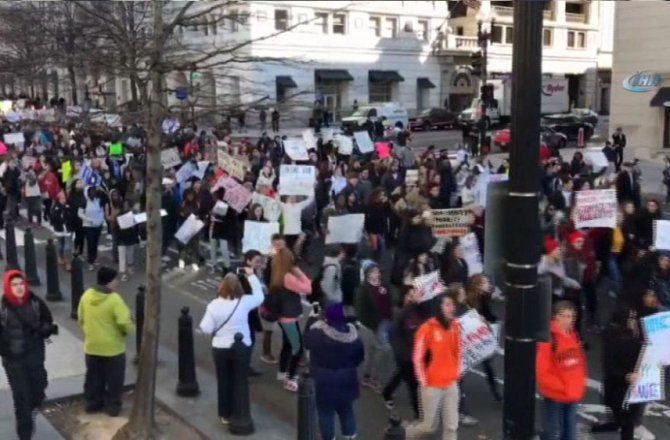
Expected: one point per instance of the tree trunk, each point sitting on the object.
(73, 82)
(141, 425)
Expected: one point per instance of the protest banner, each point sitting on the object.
(237, 197)
(662, 234)
(429, 285)
(471, 254)
(296, 149)
(191, 226)
(345, 228)
(14, 138)
(478, 342)
(595, 209)
(271, 207)
(231, 165)
(296, 180)
(451, 222)
(364, 142)
(126, 221)
(185, 172)
(258, 236)
(411, 177)
(309, 140)
(345, 144)
(383, 149)
(170, 158)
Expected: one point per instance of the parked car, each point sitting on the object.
(586, 115)
(569, 125)
(433, 118)
(553, 139)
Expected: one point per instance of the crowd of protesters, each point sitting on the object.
(369, 314)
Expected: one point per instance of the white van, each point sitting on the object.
(392, 111)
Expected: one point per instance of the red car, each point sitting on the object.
(551, 138)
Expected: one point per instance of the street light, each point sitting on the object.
(483, 37)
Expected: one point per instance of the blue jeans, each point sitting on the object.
(615, 273)
(559, 420)
(347, 421)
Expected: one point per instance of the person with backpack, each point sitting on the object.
(561, 374)
(25, 323)
(225, 317)
(328, 285)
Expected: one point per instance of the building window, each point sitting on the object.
(576, 39)
(497, 34)
(409, 27)
(390, 28)
(321, 22)
(234, 19)
(422, 30)
(380, 92)
(281, 19)
(339, 24)
(575, 7)
(375, 26)
(460, 31)
(509, 35)
(547, 37)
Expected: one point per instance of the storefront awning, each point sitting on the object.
(333, 75)
(661, 97)
(286, 82)
(424, 83)
(384, 76)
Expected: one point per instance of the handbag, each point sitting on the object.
(227, 319)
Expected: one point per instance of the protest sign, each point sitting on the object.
(201, 169)
(220, 208)
(345, 144)
(327, 134)
(595, 209)
(429, 285)
(478, 342)
(258, 236)
(14, 138)
(90, 176)
(126, 220)
(500, 177)
(191, 226)
(185, 172)
(309, 140)
(170, 158)
(451, 222)
(237, 197)
(345, 228)
(657, 332)
(296, 149)
(141, 217)
(271, 207)
(650, 387)
(471, 254)
(296, 180)
(662, 234)
(411, 177)
(383, 149)
(364, 142)
(230, 165)
(597, 158)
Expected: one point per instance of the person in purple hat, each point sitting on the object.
(336, 351)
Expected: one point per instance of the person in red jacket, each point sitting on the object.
(49, 187)
(439, 337)
(561, 374)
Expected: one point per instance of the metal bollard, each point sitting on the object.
(140, 299)
(76, 284)
(187, 386)
(394, 431)
(30, 258)
(241, 422)
(10, 246)
(307, 425)
(53, 286)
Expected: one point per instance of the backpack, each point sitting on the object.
(318, 295)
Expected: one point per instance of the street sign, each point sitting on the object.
(181, 93)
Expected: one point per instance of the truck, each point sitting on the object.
(554, 100)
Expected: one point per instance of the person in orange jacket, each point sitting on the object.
(438, 378)
(561, 374)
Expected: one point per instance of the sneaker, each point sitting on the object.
(124, 278)
(268, 359)
(91, 268)
(643, 433)
(467, 420)
(195, 267)
(281, 376)
(224, 420)
(182, 264)
(291, 385)
(166, 258)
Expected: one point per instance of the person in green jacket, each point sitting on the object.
(105, 319)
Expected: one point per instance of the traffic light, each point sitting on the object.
(476, 61)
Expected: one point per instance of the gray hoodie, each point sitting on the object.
(331, 281)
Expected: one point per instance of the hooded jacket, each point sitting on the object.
(444, 345)
(105, 320)
(561, 367)
(331, 281)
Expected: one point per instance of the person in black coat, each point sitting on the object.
(77, 201)
(619, 140)
(62, 221)
(127, 240)
(454, 267)
(622, 343)
(415, 238)
(628, 185)
(644, 224)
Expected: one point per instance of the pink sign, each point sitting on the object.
(383, 149)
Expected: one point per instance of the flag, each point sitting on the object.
(473, 4)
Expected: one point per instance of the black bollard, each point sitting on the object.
(395, 430)
(188, 383)
(139, 319)
(53, 286)
(76, 284)
(30, 258)
(10, 247)
(307, 425)
(241, 422)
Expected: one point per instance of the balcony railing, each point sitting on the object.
(461, 42)
(503, 10)
(575, 18)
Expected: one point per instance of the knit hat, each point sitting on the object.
(367, 266)
(574, 237)
(335, 314)
(550, 245)
(106, 275)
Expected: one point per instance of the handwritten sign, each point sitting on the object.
(451, 222)
(471, 254)
(345, 228)
(296, 149)
(662, 234)
(231, 165)
(220, 209)
(597, 158)
(126, 221)
(296, 180)
(478, 342)
(189, 229)
(429, 285)
(237, 196)
(595, 209)
(258, 236)
(411, 177)
(309, 140)
(345, 144)
(657, 331)
(271, 207)
(14, 138)
(170, 158)
(364, 142)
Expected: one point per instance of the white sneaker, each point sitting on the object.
(467, 420)
(195, 267)
(182, 264)
(166, 258)
(281, 377)
(643, 433)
